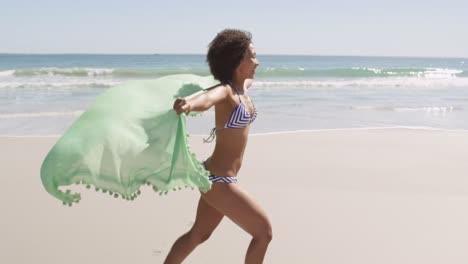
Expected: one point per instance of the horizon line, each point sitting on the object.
(204, 54)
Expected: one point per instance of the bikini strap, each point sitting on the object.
(212, 87)
(235, 89)
(211, 137)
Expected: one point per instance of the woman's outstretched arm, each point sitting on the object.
(201, 102)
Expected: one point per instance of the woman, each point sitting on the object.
(232, 61)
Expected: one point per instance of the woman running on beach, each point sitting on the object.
(232, 61)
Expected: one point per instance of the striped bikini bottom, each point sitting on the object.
(214, 178)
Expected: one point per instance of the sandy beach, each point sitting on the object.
(340, 196)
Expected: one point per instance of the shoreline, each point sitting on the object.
(300, 131)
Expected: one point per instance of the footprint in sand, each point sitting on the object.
(157, 252)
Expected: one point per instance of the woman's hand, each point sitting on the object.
(181, 106)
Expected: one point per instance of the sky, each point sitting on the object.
(360, 27)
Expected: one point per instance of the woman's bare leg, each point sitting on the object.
(207, 219)
(233, 202)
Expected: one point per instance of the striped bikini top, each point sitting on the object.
(240, 116)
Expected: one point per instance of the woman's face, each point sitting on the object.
(246, 68)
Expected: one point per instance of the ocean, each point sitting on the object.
(42, 95)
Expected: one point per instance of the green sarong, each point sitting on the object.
(128, 137)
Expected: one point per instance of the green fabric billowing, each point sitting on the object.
(128, 137)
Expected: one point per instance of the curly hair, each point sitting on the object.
(225, 53)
